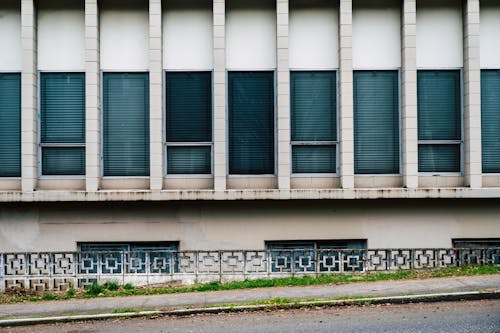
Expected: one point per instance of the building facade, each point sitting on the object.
(233, 124)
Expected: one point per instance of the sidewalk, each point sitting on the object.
(102, 305)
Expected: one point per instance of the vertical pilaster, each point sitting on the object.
(219, 86)
(92, 97)
(409, 94)
(29, 97)
(472, 95)
(346, 102)
(283, 93)
(155, 95)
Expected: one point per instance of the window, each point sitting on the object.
(251, 123)
(189, 122)
(10, 125)
(439, 120)
(314, 122)
(376, 122)
(490, 120)
(304, 254)
(126, 124)
(62, 112)
(160, 256)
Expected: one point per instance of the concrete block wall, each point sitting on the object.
(346, 178)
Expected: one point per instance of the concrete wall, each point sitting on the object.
(61, 35)
(246, 225)
(490, 34)
(250, 34)
(187, 35)
(10, 34)
(124, 35)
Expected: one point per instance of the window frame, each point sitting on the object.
(334, 143)
(482, 159)
(275, 120)
(41, 145)
(167, 144)
(446, 142)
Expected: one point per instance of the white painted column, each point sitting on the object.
(29, 84)
(346, 101)
(156, 95)
(283, 93)
(219, 93)
(92, 97)
(472, 95)
(409, 94)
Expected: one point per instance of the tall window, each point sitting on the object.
(251, 122)
(376, 122)
(314, 121)
(189, 122)
(439, 120)
(126, 124)
(62, 109)
(10, 125)
(490, 120)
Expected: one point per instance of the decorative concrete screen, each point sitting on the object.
(57, 271)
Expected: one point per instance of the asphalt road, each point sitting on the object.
(468, 317)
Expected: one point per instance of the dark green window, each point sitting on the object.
(189, 122)
(62, 111)
(251, 122)
(439, 120)
(314, 121)
(490, 120)
(126, 124)
(376, 122)
(10, 125)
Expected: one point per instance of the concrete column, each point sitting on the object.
(155, 95)
(346, 103)
(472, 96)
(219, 93)
(92, 97)
(283, 93)
(409, 94)
(29, 84)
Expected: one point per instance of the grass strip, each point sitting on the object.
(114, 290)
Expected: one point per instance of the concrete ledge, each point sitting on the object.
(256, 194)
(435, 297)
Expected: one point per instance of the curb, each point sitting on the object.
(404, 299)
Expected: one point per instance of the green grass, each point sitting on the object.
(113, 289)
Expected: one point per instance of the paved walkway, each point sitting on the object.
(380, 288)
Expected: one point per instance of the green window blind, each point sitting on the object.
(313, 106)
(251, 122)
(126, 124)
(10, 125)
(376, 122)
(439, 119)
(490, 120)
(189, 120)
(313, 119)
(62, 108)
(438, 105)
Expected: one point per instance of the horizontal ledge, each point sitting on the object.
(249, 194)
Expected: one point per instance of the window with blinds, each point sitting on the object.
(251, 122)
(189, 122)
(439, 120)
(314, 121)
(126, 124)
(62, 127)
(376, 122)
(490, 120)
(10, 125)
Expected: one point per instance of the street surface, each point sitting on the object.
(456, 317)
